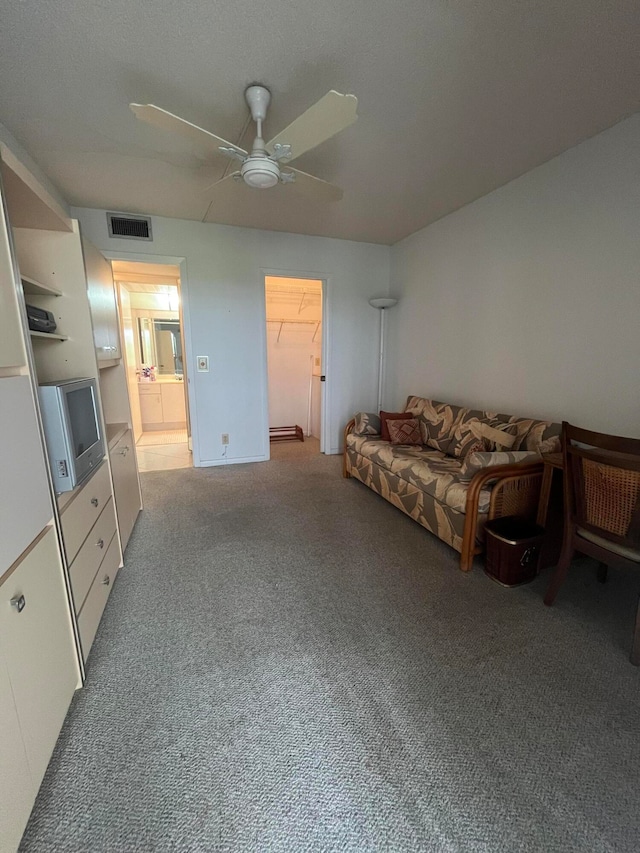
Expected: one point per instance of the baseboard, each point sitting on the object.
(235, 460)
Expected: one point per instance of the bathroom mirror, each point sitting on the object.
(161, 345)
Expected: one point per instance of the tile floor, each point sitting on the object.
(163, 456)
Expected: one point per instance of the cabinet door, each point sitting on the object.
(102, 298)
(125, 485)
(26, 507)
(17, 788)
(37, 640)
(151, 407)
(173, 406)
(12, 351)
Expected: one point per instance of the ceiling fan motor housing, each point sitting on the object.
(260, 172)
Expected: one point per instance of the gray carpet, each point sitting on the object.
(288, 663)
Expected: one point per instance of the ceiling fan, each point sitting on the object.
(261, 168)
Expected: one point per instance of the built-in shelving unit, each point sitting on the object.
(36, 288)
(47, 336)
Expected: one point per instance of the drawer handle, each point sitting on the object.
(106, 580)
(94, 501)
(100, 543)
(124, 451)
(19, 603)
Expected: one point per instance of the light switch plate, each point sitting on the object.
(203, 363)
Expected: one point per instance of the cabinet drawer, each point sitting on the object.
(84, 567)
(95, 602)
(79, 516)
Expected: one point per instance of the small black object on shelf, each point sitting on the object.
(40, 320)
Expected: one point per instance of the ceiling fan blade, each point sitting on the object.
(236, 176)
(328, 116)
(206, 143)
(314, 188)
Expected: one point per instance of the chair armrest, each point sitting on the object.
(512, 472)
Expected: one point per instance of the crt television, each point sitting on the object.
(72, 428)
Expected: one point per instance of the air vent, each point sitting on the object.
(129, 227)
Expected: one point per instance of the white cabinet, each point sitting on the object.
(12, 351)
(92, 548)
(38, 675)
(17, 786)
(162, 405)
(102, 298)
(125, 485)
(150, 405)
(173, 407)
(27, 506)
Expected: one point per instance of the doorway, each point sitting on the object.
(153, 335)
(294, 361)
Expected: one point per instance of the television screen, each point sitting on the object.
(82, 420)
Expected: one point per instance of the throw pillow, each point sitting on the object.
(390, 416)
(500, 436)
(465, 435)
(405, 431)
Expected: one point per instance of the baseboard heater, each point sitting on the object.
(288, 433)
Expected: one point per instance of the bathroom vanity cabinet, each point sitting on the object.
(162, 404)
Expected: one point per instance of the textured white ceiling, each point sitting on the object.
(456, 97)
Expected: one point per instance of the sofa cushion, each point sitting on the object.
(501, 436)
(389, 416)
(442, 419)
(437, 420)
(372, 447)
(406, 431)
(475, 462)
(367, 423)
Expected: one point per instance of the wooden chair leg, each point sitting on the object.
(560, 574)
(635, 648)
(603, 571)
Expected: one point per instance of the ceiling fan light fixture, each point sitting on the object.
(260, 172)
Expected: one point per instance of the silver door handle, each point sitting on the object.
(106, 580)
(94, 501)
(124, 451)
(100, 543)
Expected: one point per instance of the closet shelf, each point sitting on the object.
(36, 288)
(47, 336)
(283, 322)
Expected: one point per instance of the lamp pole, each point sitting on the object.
(382, 304)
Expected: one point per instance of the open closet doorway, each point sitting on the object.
(152, 332)
(294, 362)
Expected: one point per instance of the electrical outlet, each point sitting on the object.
(225, 437)
(203, 363)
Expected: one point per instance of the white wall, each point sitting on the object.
(528, 300)
(224, 313)
(290, 366)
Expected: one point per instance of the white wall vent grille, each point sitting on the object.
(129, 227)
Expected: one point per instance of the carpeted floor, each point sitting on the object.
(288, 663)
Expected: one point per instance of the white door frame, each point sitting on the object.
(325, 278)
(181, 262)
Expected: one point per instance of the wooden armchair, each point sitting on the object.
(601, 505)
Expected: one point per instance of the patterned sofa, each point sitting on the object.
(450, 492)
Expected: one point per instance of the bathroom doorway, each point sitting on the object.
(294, 309)
(153, 335)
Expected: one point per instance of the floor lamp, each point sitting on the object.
(381, 303)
